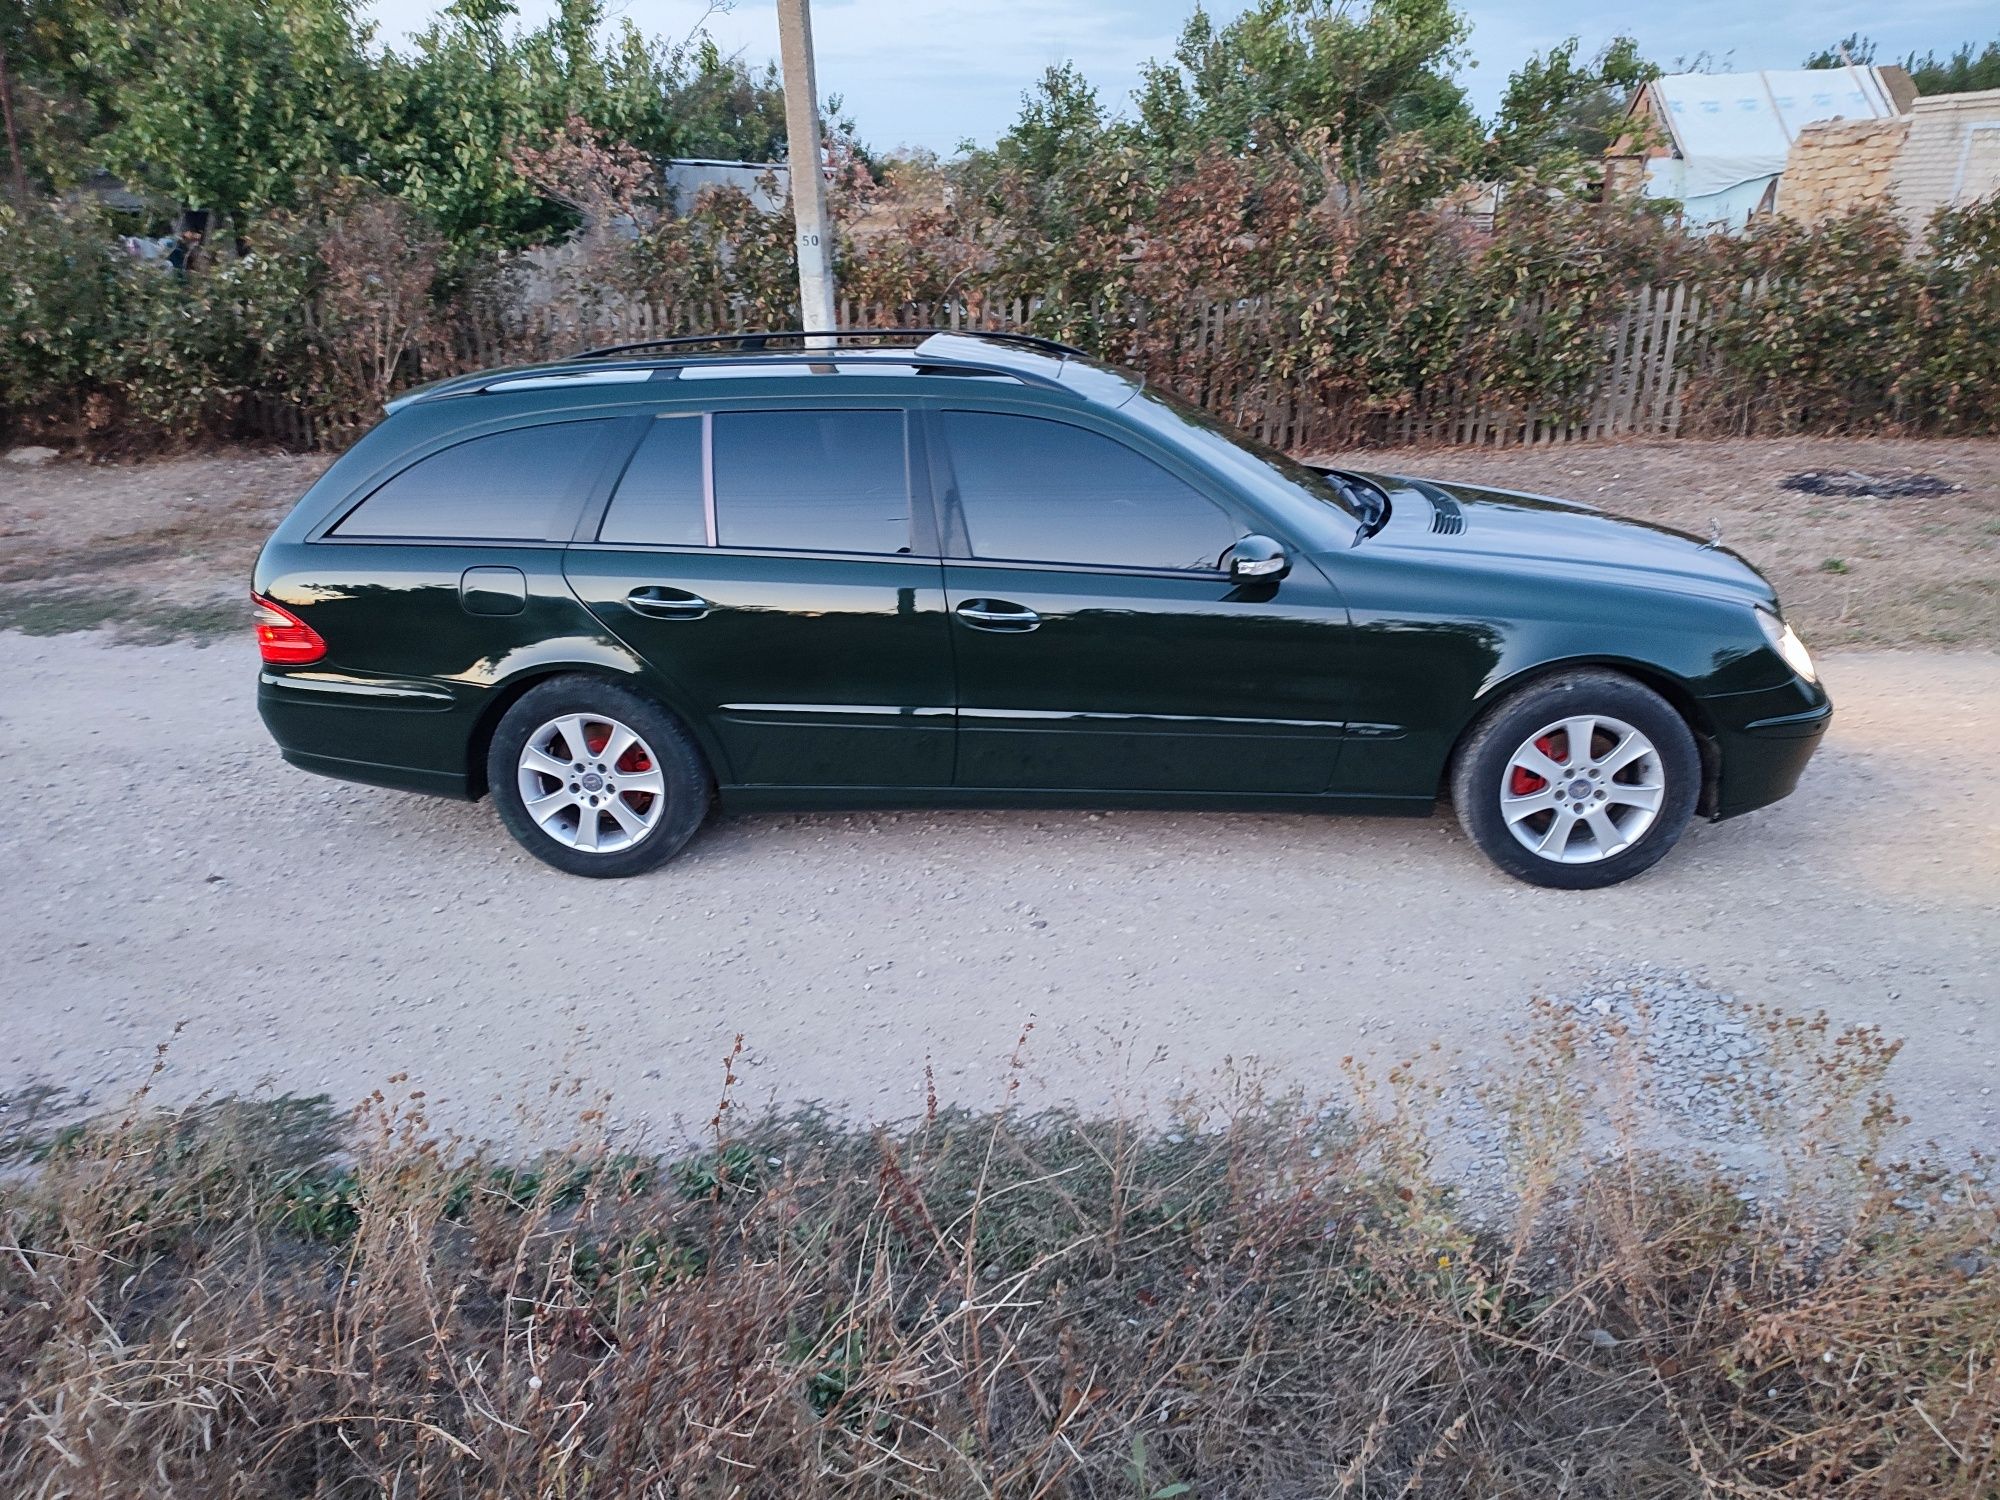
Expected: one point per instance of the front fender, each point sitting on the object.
(1434, 646)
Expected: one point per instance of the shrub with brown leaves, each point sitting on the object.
(1258, 1298)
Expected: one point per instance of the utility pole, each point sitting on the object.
(803, 152)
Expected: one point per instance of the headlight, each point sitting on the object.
(1787, 644)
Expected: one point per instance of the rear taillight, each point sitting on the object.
(282, 637)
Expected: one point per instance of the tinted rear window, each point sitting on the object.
(510, 486)
(815, 481)
(659, 500)
(1039, 491)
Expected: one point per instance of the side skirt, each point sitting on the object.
(832, 798)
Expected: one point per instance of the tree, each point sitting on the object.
(1557, 111)
(1289, 69)
(1060, 124)
(1968, 69)
(229, 105)
(472, 90)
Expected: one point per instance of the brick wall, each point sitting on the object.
(1840, 165)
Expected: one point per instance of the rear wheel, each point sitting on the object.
(1577, 781)
(595, 779)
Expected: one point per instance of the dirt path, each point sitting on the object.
(165, 868)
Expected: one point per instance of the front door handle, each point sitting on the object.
(668, 604)
(997, 614)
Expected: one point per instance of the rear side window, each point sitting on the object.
(813, 481)
(1038, 491)
(659, 501)
(510, 486)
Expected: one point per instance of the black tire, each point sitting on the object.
(684, 773)
(1481, 772)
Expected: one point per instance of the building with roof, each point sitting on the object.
(1943, 153)
(1718, 143)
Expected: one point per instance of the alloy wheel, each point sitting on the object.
(1582, 789)
(591, 783)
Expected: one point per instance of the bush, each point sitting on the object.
(1271, 289)
(63, 305)
(1814, 326)
(1951, 378)
(1261, 1299)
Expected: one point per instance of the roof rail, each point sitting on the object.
(761, 339)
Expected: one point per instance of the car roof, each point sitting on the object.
(786, 354)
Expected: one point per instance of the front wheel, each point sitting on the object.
(1578, 781)
(594, 779)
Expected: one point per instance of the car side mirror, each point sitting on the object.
(1257, 559)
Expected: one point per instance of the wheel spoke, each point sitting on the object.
(1630, 748)
(1609, 839)
(1648, 797)
(540, 760)
(1530, 758)
(543, 809)
(628, 818)
(1556, 840)
(573, 736)
(586, 827)
(1578, 733)
(1517, 808)
(622, 739)
(641, 781)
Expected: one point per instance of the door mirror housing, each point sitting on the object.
(1257, 559)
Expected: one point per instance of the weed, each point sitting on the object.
(1269, 1297)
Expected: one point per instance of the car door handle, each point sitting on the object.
(997, 614)
(668, 604)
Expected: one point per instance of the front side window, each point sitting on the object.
(811, 481)
(514, 486)
(1032, 490)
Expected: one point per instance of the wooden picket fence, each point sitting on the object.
(1213, 355)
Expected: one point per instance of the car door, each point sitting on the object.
(1100, 644)
(768, 564)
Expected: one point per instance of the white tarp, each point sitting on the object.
(1710, 201)
(1730, 128)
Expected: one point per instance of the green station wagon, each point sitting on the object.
(952, 569)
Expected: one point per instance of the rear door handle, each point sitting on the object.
(668, 604)
(997, 614)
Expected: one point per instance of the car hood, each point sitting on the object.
(1541, 533)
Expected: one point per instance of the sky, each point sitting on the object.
(933, 73)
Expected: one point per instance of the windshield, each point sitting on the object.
(1235, 449)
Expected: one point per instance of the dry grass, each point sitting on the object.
(1265, 1300)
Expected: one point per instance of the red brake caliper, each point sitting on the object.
(632, 762)
(1525, 783)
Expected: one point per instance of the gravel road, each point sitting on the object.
(165, 868)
